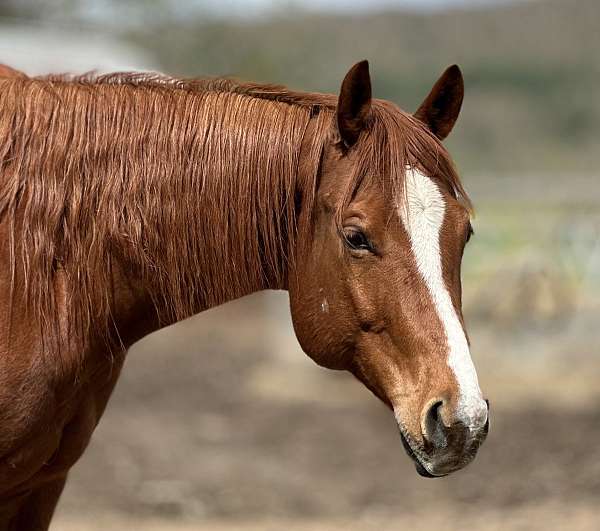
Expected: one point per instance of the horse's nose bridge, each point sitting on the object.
(470, 411)
(467, 405)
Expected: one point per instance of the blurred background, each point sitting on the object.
(221, 422)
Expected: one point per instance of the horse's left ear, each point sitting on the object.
(440, 109)
(354, 102)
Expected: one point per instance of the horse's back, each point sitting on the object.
(8, 71)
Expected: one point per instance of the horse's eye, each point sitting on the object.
(470, 233)
(357, 240)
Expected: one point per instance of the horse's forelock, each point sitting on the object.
(392, 142)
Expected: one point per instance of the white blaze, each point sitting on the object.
(423, 216)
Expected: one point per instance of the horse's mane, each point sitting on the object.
(150, 170)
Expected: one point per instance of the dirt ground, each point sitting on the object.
(220, 423)
(547, 516)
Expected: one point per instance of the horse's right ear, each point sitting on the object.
(354, 103)
(441, 107)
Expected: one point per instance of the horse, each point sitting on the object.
(8, 71)
(130, 201)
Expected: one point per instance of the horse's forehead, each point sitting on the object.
(429, 202)
(422, 205)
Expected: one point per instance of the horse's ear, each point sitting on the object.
(354, 103)
(440, 109)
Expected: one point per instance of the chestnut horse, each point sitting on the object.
(131, 201)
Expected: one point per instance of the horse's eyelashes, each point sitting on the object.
(357, 240)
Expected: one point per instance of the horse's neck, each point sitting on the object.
(215, 258)
(172, 205)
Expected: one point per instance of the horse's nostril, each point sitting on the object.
(433, 427)
(443, 427)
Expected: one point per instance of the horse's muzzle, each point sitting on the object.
(445, 449)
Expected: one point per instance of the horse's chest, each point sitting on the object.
(45, 425)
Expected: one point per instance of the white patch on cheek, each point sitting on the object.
(324, 306)
(423, 217)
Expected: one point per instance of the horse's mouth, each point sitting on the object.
(421, 470)
(442, 465)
